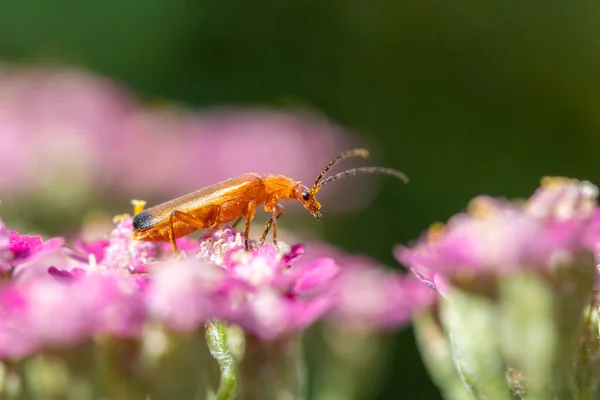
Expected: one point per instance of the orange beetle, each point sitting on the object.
(237, 198)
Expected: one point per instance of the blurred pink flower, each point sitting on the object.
(496, 237)
(53, 123)
(62, 274)
(71, 129)
(5, 254)
(184, 294)
(369, 296)
(58, 297)
(49, 313)
(95, 247)
(374, 299)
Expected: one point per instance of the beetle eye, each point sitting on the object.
(306, 195)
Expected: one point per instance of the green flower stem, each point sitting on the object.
(175, 366)
(470, 323)
(273, 370)
(347, 362)
(216, 338)
(116, 360)
(528, 338)
(573, 291)
(587, 362)
(437, 356)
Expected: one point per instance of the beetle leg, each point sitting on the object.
(277, 211)
(172, 232)
(190, 220)
(249, 217)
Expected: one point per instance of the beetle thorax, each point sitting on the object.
(279, 187)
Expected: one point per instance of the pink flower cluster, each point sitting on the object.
(494, 237)
(57, 297)
(262, 289)
(55, 313)
(17, 249)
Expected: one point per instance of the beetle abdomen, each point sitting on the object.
(142, 221)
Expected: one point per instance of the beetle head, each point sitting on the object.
(308, 200)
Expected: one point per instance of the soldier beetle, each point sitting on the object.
(237, 198)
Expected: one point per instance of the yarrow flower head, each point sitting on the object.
(519, 277)
(495, 237)
(123, 252)
(264, 290)
(214, 245)
(58, 297)
(141, 294)
(119, 253)
(261, 290)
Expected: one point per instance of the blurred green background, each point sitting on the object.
(466, 97)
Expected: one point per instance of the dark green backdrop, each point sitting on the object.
(467, 97)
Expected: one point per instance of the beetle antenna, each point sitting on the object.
(362, 170)
(364, 153)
